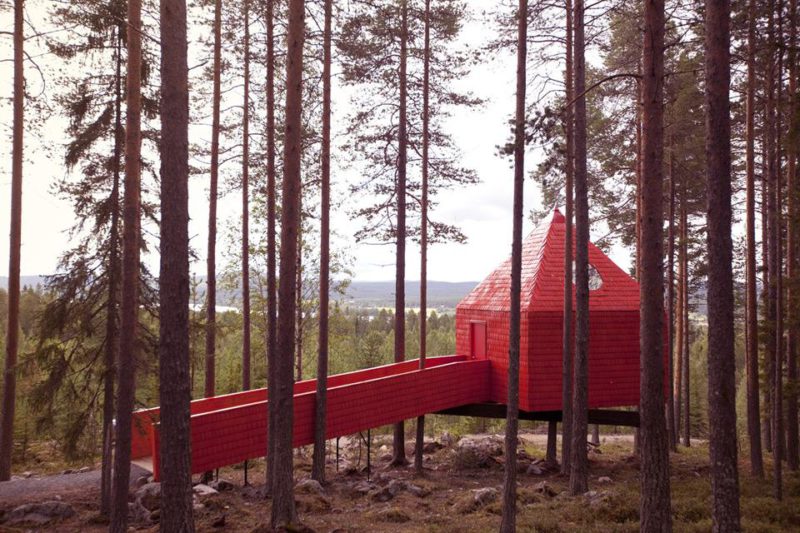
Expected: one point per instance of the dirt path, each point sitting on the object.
(38, 489)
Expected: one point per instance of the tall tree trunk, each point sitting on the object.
(672, 432)
(112, 305)
(398, 441)
(318, 463)
(773, 215)
(680, 330)
(298, 306)
(579, 463)
(246, 205)
(12, 324)
(793, 303)
(509, 518)
(654, 443)
(687, 422)
(751, 322)
(173, 350)
(721, 333)
(423, 269)
(211, 258)
(129, 319)
(283, 510)
(567, 334)
(766, 427)
(272, 296)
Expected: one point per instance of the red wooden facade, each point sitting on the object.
(482, 323)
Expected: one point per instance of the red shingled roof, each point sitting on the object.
(543, 277)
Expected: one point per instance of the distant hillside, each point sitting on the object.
(441, 294)
(381, 293)
(26, 281)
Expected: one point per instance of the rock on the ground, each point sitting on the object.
(201, 489)
(149, 496)
(222, 485)
(477, 499)
(309, 486)
(535, 470)
(604, 479)
(447, 439)
(39, 513)
(138, 514)
(544, 488)
(477, 452)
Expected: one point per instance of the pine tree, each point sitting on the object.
(509, 518)
(12, 324)
(753, 407)
(318, 466)
(129, 303)
(655, 514)
(174, 378)
(721, 356)
(283, 509)
(579, 462)
(246, 203)
(423, 224)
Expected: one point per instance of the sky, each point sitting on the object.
(482, 211)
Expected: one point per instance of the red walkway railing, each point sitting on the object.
(232, 428)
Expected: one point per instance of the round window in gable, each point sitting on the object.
(595, 280)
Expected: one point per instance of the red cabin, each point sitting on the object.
(482, 325)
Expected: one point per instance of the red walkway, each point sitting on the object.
(232, 428)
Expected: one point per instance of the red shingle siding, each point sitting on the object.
(614, 325)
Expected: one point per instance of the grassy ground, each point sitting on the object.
(447, 504)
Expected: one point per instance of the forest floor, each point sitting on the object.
(460, 493)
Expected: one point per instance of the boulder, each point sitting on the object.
(447, 439)
(202, 489)
(544, 488)
(39, 514)
(477, 452)
(309, 486)
(149, 496)
(222, 485)
(477, 499)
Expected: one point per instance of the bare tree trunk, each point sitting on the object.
(672, 432)
(129, 319)
(12, 325)
(654, 443)
(766, 427)
(753, 408)
(211, 258)
(680, 330)
(298, 336)
(774, 313)
(687, 423)
(567, 336)
(272, 313)
(112, 305)
(779, 432)
(318, 463)
(792, 444)
(246, 205)
(721, 334)
(509, 518)
(579, 463)
(423, 272)
(283, 509)
(398, 441)
(174, 351)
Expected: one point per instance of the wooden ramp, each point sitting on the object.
(229, 429)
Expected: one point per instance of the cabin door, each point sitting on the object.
(477, 342)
